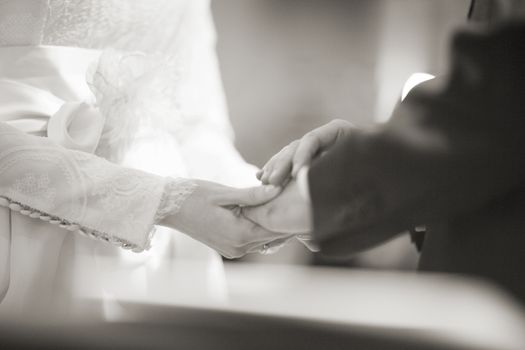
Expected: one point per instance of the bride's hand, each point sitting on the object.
(210, 215)
(299, 153)
(289, 212)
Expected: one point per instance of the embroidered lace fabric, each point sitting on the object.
(77, 190)
(99, 24)
(176, 191)
(149, 51)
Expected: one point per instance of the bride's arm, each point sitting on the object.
(76, 190)
(84, 193)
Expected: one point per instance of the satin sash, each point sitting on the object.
(33, 102)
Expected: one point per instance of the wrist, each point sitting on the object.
(176, 192)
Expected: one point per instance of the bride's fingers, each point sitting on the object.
(251, 196)
(265, 175)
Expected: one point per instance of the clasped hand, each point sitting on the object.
(290, 212)
(239, 221)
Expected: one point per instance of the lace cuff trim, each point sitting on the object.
(73, 226)
(176, 191)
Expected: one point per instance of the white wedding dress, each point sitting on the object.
(129, 96)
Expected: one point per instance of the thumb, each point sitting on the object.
(251, 196)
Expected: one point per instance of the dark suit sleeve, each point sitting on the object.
(452, 146)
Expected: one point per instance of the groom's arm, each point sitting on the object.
(447, 150)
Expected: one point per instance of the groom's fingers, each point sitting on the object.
(280, 173)
(268, 168)
(247, 196)
(306, 150)
(281, 164)
(277, 169)
(317, 140)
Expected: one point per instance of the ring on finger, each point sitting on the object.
(264, 249)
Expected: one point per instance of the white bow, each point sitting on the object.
(74, 125)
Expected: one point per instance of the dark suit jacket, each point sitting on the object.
(452, 157)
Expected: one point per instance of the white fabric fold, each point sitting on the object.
(43, 92)
(73, 125)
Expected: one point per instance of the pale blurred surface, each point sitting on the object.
(436, 306)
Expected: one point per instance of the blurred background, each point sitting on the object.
(290, 66)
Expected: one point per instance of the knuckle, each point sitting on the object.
(310, 141)
(285, 150)
(285, 154)
(337, 122)
(342, 124)
(309, 136)
(267, 166)
(294, 143)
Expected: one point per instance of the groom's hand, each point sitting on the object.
(289, 212)
(300, 153)
(211, 215)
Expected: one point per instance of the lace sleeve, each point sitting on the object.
(78, 191)
(176, 191)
